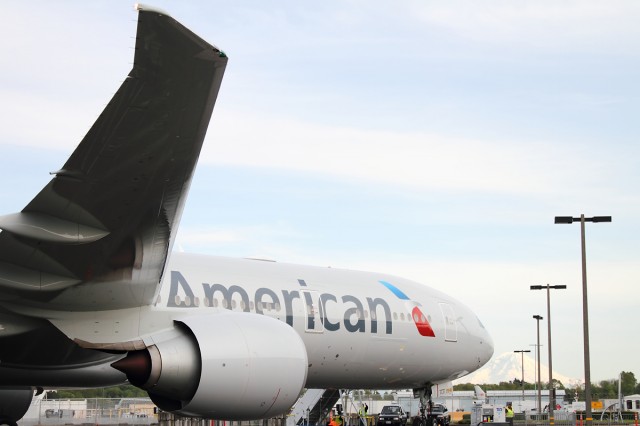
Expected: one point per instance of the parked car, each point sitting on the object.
(392, 415)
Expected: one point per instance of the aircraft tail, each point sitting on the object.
(110, 214)
(479, 394)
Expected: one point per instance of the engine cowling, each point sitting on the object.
(14, 403)
(231, 366)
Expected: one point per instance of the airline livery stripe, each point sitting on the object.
(395, 290)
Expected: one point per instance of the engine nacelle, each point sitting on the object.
(226, 366)
(14, 403)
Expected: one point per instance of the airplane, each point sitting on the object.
(91, 294)
(479, 395)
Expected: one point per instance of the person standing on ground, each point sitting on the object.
(362, 413)
(509, 414)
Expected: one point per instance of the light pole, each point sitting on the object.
(585, 306)
(538, 318)
(552, 391)
(521, 352)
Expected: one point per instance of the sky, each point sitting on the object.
(430, 140)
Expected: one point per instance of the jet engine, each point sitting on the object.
(14, 403)
(231, 366)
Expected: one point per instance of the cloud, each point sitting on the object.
(558, 26)
(260, 241)
(421, 160)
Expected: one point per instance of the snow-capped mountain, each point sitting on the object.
(508, 366)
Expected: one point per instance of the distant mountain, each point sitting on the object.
(508, 366)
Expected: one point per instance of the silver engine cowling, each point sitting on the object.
(226, 366)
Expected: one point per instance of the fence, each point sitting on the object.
(567, 418)
(91, 411)
(117, 411)
(142, 412)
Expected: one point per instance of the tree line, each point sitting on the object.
(605, 389)
(122, 391)
(129, 391)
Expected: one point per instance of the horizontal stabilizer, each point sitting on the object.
(44, 227)
(26, 279)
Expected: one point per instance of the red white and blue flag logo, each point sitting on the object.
(420, 319)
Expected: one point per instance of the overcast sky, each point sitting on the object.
(431, 140)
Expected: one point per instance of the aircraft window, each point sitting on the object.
(278, 307)
(373, 315)
(402, 316)
(234, 304)
(429, 318)
(242, 305)
(177, 300)
(252, 306)
(366, 313)
(359, 314)
(225, 303)
(187, 300)
(395, 315)
(215, 303)
(196, 301)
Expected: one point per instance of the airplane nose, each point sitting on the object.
(487, 348)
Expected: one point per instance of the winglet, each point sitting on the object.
(100, 232)
(139, 6)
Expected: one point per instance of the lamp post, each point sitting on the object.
(521, 352)
(585, 307)
(552, 391)
(538, 318)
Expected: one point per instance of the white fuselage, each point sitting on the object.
(360, 329)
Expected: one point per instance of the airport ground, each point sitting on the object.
(142, 412)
